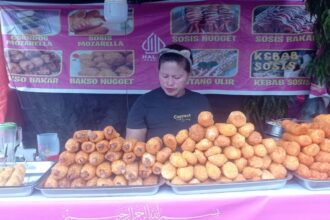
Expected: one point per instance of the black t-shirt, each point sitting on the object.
(162, 114)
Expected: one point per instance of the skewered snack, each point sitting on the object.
(205, 118)
(87, 172)
(110, 132)
(236, 118)
(113, 156)
(153, 145)
(95, 136)
(139, 148)
(129, 157)
(118, 167)
(132, 171)
(144, 171)
(96, 158)
(59, 171)
(67, 158)
(119, 180)
(116, 144)
(74, 171)
(170, 141)
(194, 17)
(181, 136)
(103, 170)
(81, 136)
(157, 168)
(128, 145)
(102, 146)
(196, 132)
(72, 145)
(88, 147)
(148, 159)
(81, 157)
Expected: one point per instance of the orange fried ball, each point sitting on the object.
(237, 118)
(254, 138)
(246, 129)
(205, 118)
(196, 132)
(227, 130)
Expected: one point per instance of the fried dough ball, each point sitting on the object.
(302, 140)
(157, 168)
(260, 150)
(239, 178)
(77, 183)
(185, 173)
(153, 145)
(81, 157)
(132, 171)
(200, 173)
(318, 175)
(188, 145)
(224, 179)
(200, 156)
(322, 121)
(87, 172)
(104, 182)
(177, 181)
(251, 172)
(150, 180)
(181, 136)
(247, 151)
(232, 153)
(96, 158)
(137, 182)
(295, 128)
(266, 162)
(163, 154)
(323, 157)
(278, 170)
(92, 182)
(103, 170)
(128, 145)
(238, 140)
(88, 147)
(64, 183)
(218, 159)
(113, 156)
(213, 151)
(204, 144)
(254, 138)
(291, 147)
(81, 136)
(194, 181)
(129, 157)
(241, 163)
(269, 144)
(169, 141)
(291, 162)
(256, 162)
(95, 136)
(190, 157)
(74, 171)
(305, 159)
(110, 133)
(246, 129)
(118, 167)
(66, 158)
(178, 160)
(144, 171)
(303, 171)
(320, 166)
(148, 159)
(237, 118)
(222, 141)
(116, 144)
(119, 180)
(267, 175)
(212, 133)
(50, 182)
(278, 155)
(317, 135)
(325, 145)
(168, 171)
(102, 146)
(227, 130)
(229, 170)
(59, 171)
(72, 145)
(213, 171)
(311, 150)
(196, 132)
(205, 118)
(139, 148)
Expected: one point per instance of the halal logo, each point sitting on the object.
(152, 44)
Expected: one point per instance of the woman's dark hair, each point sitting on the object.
(180, 59)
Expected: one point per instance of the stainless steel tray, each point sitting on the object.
(34, 172)
(97, 191)
(229, 187)
(313, 184)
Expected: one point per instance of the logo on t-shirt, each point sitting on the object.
(182, 118)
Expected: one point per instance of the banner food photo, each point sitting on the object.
(239, 47)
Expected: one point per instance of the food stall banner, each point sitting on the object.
(239, 47)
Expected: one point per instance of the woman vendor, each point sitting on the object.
(171, 107)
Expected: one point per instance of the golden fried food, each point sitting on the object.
(103, 170)
(232, 153)
(251, 172)
(5, 174)
(325, 145)
(185, 173)
(104, 182)
(14, 180)
(247, 151)
(213, 171)
(74, 171)
(204, 144)
(305, 159)
(81, 157)
(150, 180)
(110, 133)
(118, 167)
(72, 145)
(260, 150)
(254, 138)
(163, 154)
(303, 171)
(241, 163)
(92, 182)
(132, 171)
(318, 175)
(88, 147)
(194, 181)
(200, 156)
(295, 128)
(212, 133)
(317, 135)
(239, 178)
(129, 157)
(218, 159)
(291, 163)
(102, 146)
(236, 118)
(323, 157)
(267, 175)
(227, 130)
(95, 136)
(113, 156)
(79, 182)
(157, 168)
(200, 173)
(59, 171)
(278, 155)
(205, 119)
(67, 158)
(229, 170)
(119, 180)
(129, 144)
(320, 166)
(302, 140)
(169, 141)
(177, 160)
(256, 162)
(266, 162)
(81, 136)
(269, 144)
(213, 151)
(181, 136)
(168, 171)
(148, 159)
(188, 145)
(291, 147)
(311, 150)
(144, 171)
(64, 183)
(190, 157)
(177, 181)
(95, 158)
(116, 144)
(137, 182)
(87, 172)
(238, 140)
(196, 132)
(278, 170)
(50, 182)
(139, 148)
(153, 145)
(246, 129)
(224, 179)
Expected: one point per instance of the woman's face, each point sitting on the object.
(173, 78)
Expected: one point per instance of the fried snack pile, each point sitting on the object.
(12, 175)
(224, 152)
(310, 143)
(103, 158)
